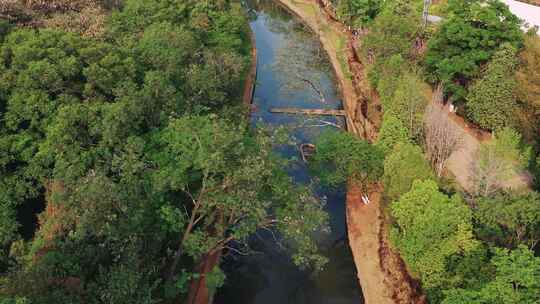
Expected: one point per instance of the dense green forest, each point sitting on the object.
(476, 246)
(130, 128)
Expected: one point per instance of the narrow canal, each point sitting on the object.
(293, 72)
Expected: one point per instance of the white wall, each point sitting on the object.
(527, 12)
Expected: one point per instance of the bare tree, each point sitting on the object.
(441, 135)
(498, 162)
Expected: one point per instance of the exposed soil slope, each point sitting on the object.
(364, 240)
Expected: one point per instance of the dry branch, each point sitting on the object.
(442, 137)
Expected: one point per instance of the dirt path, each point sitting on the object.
(381, 273)
(364, 240)
(461, 161)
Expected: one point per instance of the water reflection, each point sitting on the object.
(268, 275)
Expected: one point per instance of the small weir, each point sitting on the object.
(323, 112)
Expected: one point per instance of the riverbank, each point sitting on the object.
(382, 278)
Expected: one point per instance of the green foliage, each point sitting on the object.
(393, 31)
(342, 157)
(390, 42)
(403, 165)
(517, 278)
(215, 279)
(79, 121)
(430, 229)
(491, 100)
(123, 284)
(516, 281)
(218, 167)
(408, 103)
(385, 75)
(468, 38)
(509, 220)
(5, 27)
(392, 133)
(8, 224)
(358, 12)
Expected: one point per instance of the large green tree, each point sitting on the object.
(79, 119)
(342, 157)
(517, 274)
(431, 229)
(408, 103)
(491, 102)
(402, 166)
(232, 186)
(389, 43)
(392, 133)
(509, 219)
(467, 39)
(358, 12)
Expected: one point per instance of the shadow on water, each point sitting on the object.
(268, 275)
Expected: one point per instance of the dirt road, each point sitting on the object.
(461, 162)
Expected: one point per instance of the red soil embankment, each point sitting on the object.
(363, 234)
(381, 271)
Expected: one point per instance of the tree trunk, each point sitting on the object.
(177, 255)
(198, 291)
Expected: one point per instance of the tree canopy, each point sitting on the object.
(407, 160)
(508, 220)
(467, 39)
(358, 12)
(491, 102)
(431, 228)
(342, 157)
(517, 273)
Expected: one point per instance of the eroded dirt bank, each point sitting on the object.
(381, 272)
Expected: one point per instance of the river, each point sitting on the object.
(285, 49)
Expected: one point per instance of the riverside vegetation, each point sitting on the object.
(477, 246)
